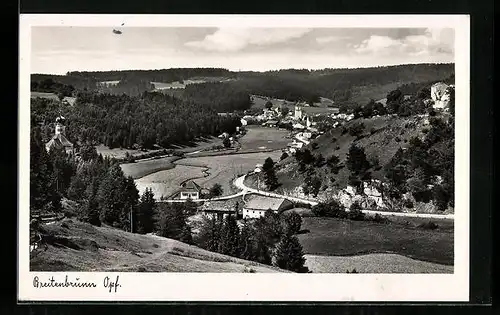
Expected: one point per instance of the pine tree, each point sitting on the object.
(209, 235)
(293, 223)
(247, 242)
(111, 197)
(270, 178)
(289, 255)
(40, 173)
(229, 242)
(146, 212)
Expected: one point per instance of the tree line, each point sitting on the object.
(269, 240)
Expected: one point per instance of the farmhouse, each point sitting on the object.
(219, 208)
(59, 140)
(190, 190)
(257, 206)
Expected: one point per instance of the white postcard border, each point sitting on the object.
(256, 287)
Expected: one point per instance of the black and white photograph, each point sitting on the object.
(323, 148)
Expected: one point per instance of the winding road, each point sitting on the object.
(239, 183)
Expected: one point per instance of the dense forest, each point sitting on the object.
(291, 84)
(123, 121)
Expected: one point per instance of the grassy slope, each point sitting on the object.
(373, 263)
(264, 138)
(144, 168)
(390, 135)
(116, 250)
(334, 237)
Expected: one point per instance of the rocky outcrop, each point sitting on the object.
(440, 95)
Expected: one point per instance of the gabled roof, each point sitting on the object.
(264, 203)
(191, 185)
(219, 205)
(58, 141)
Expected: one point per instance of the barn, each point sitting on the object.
(257, 206)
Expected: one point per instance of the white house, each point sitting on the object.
(257, 206)
(189, 190)
(298, 114)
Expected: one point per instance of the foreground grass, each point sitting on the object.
(82, 247)
(373, 263)
(336, 237)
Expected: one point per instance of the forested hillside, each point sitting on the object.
(122, 121)
(340, 85)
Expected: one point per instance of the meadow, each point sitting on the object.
(264, 138)
(144, 168)
(167, 182)
(206, 171)
(373, 263)
(119, 153)
(51, 96)
(223, 169)
(335, 237)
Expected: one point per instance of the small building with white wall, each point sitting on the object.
(257, 206)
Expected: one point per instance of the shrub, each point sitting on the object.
(379, 219)
(283, 156)
(408, 203)
(314, 146)
(334, 139)
(355, 212)
(428, 225)
(331, 208)
(356, 129)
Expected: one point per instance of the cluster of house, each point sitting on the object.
(252, 206)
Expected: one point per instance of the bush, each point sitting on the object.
(379, 219)
(331, 209)
(293, 223)
(428, 225)
(355, 212)
(283, 156)
(334, 139)
(356, 129)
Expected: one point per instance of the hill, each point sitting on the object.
(340, 85)
(78, 246)
(394, 162)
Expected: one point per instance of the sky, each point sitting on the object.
(57, 50)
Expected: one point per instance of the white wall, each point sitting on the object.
(253, 214)
(192, 195)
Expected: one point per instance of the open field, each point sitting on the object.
(77, 246)
(51, 96)
(143, 168)
(198, 145)
(373, 263)
(224, 168)
(119, 153)
(179, 85)
(336, 237)
(167, 182)
(262, 138)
